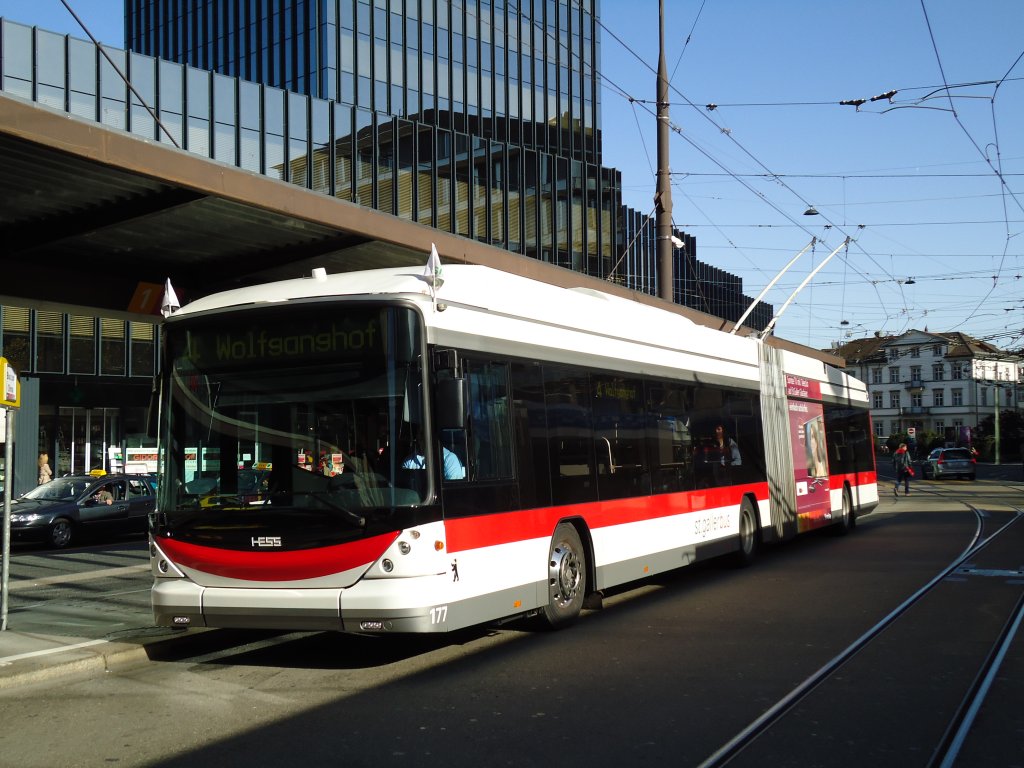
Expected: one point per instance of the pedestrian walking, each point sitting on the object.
(45, 473)
(904, 470)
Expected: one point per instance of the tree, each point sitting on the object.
(1011, 434)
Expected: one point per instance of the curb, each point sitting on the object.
(50, 662)
(120, 655)
(43, 660)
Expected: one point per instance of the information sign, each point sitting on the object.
(10, 387)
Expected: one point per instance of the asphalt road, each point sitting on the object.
(666, 674)
(85, 592)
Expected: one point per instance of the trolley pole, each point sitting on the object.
(663, 194)
(10, 399)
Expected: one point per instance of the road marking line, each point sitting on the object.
(72, 578)
(6, 661)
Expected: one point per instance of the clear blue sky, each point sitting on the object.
(908, 180)
(931, 208)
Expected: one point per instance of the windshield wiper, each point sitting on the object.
(328, 499)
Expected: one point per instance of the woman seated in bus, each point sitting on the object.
(725, 454)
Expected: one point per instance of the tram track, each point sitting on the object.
(957, 728)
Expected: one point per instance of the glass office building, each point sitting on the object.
(477, 117)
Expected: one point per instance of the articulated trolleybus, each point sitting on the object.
(384, 452)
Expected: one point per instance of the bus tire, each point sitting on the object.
(847, 517)
(749, 535)
(567, 577)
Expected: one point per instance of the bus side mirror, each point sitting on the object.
(451, 403)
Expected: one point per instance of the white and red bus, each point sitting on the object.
(358, 453)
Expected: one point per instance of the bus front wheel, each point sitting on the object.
(567, 577)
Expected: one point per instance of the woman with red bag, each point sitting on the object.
(904, 470)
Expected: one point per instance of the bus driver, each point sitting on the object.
(453, 469)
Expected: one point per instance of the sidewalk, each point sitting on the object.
(27, 658)
(102, 621)
(31, 658)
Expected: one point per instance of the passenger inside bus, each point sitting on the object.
(453, 468)
(719, 458)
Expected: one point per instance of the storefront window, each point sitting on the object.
(49, 342)
(112, 347)
(82, 348)
(142, 350)
(14, 338)
(90, 438)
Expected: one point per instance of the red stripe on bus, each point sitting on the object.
(291, 565)
(855, 479)
(506, 527)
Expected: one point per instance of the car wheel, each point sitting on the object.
(567, 577)
(61, 533)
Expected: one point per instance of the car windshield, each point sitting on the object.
(61, 489)
(308, 407)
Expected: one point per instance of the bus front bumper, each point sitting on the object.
(368, 607)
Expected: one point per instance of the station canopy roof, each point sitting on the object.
(94, 220)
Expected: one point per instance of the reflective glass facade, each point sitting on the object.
(516, 71)
(479, 117)
(95, 376)
(488, 170)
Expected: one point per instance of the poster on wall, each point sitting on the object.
(810, 453)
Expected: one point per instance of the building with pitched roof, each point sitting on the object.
(943, 383)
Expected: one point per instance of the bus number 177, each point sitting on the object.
(439, 615)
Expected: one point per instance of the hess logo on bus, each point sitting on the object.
(266, 541)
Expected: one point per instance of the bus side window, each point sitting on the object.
(484, 447)
(670, 443)
(490, 434)
(619, 433)
(530, 435)
(570, 435)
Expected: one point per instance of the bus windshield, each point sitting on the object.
(294, 410)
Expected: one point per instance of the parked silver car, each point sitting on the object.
(948, 462)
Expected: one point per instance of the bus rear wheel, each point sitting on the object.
(567, 577)
(750, 535)
(848, 517)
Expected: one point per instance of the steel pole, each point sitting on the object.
(663, 196)
(5, 570)
(998, 390)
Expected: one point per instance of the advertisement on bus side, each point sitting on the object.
(810, 454)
